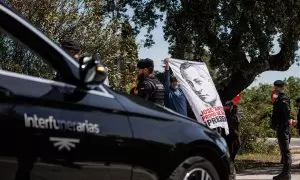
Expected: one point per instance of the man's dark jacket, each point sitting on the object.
(151, 89)
(174, 97)
(281, 111)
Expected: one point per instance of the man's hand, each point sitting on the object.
(166, 60)
(135, 91)
(292, 122)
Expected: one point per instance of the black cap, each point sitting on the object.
(70, 45)
(145, 63)
(279, 83)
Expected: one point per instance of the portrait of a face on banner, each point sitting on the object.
(200, 91)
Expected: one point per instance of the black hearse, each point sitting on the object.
(75, 130)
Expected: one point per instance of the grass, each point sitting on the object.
(248, 161)
(259, 157)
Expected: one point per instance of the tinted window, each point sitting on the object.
(16, 57)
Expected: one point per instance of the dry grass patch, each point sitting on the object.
(295, 151)
(249, 161)
(267, 158)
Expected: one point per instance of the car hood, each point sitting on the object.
(138, 106)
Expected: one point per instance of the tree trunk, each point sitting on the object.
(245, 76)
(236, 85)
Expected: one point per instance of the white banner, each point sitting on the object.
(200, 91)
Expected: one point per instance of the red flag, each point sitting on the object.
(236, 99)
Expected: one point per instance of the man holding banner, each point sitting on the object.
(200, 91)
(174, 96)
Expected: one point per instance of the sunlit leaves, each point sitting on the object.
(90, 22)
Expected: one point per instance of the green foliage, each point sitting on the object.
(123, 71)
(256, 107)
(91, 22)
(160, 76)
(237, 35)
(17, 59)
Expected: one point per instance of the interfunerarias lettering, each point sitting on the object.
(51, 123)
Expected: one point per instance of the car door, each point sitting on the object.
(110, 148)
(6, 126)
(40, 129)
(60, 131)
(66, 133)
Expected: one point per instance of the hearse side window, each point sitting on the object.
(16, 57)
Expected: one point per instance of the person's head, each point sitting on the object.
(298, 102)
(279, 86)
(235, 108)
(146, 67)
(72, 47)
(228, 106)
(200, 82)
(174, 82)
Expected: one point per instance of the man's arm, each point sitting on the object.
(148, 91)
(145, 90)
(287, 109)
(297, 122)
(167, 75)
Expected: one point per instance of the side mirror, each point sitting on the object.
(92, 71)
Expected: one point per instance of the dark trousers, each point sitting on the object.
(281, 161)
(234, 144)
(283, 137)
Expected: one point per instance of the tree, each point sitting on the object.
(238, 34)
(124, 70)
(159, 76)
(93, 23)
